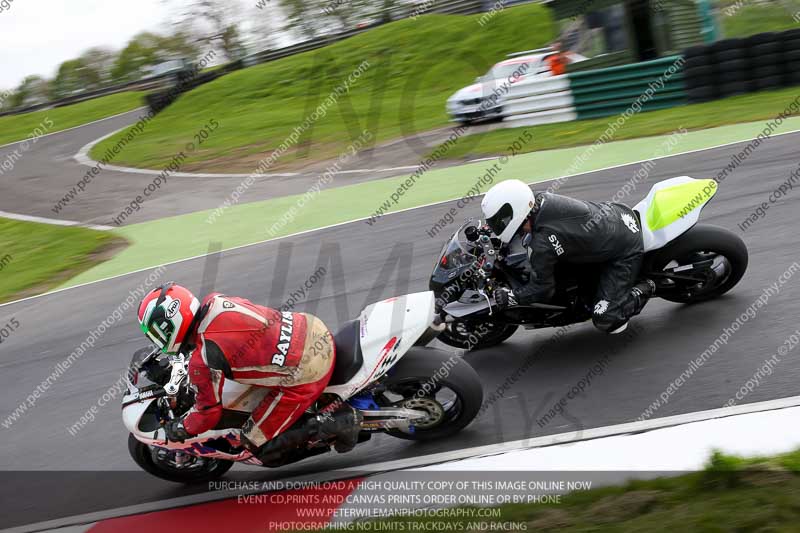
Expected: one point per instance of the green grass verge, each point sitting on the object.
(731, 494)
(752, 19)
(36, 257)
(19, 127)
(734, 110)
(414, 66)
(153, 243)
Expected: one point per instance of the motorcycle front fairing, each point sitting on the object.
(455, 260)
(141, 412)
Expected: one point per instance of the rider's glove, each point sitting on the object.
(175, 430)
(504, 298)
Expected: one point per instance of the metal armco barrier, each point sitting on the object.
(656, 84)
(739, 66)
(539, 101)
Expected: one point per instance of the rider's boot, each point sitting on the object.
(642, 292)
(344, 424)
(272, 450)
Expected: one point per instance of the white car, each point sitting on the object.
(483, 100)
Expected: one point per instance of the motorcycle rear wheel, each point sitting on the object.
(201, 470)
(702, 242)
(444, 386)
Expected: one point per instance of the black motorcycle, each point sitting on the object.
(689, 262)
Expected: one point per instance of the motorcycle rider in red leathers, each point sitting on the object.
(233, 338)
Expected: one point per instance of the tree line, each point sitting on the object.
(232, 28)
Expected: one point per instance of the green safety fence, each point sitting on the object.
(644, 86)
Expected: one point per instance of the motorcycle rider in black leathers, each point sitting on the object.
(559, 229)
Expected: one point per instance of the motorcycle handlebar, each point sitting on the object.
(488, 255)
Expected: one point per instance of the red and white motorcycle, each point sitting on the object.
(382, 369)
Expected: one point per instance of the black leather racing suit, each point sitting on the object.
(573, 231)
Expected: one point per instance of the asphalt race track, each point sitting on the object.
(639, 370)
(47, 170)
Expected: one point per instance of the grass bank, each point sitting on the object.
(37, 257)
(407, 68)
(20, 127)
(750, 19)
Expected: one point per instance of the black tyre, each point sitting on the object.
(761, 38)
(701, 94)
(727, 45)
(766, 53)
(734, 65)
(791, 45)
(698, 77)
(703, 61)
(702, 242)
(771, 82)
(432, 380)
(730, 76)
(767, 60)
(766, 71)
(156, 461)
(702, 70)
(736, 54)
(791, 35)
(476, 335)
(792, 55)
(700, 50)
(735, 87)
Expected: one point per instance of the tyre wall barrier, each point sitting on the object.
(740, 66)
(184, 82)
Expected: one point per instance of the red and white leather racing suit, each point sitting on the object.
(292, 354)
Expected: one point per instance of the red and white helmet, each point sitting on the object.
(166, 314)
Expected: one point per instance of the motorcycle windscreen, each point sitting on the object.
(135, 376)
(456, 253)
(454, 260)
(456, 256)
(671, 208)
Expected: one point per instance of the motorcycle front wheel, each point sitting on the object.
(177, 467)
(469, 335)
